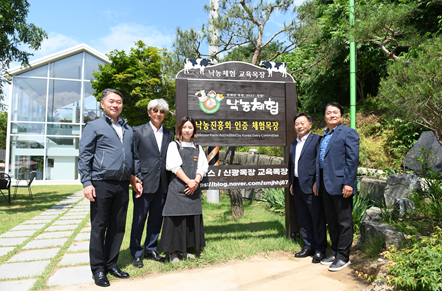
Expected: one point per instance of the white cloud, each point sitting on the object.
(123, 37)
(55, 42)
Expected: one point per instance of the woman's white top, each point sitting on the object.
(174, 161)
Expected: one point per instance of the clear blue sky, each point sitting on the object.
(108, 25)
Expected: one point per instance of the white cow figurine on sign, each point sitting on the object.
(196, 64)
(274, 67)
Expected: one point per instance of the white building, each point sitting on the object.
(49, 104)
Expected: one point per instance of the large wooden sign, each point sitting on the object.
(236, 103)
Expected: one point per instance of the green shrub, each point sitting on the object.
(360, 205)
(373, 246)
(274, 199)
(405, 135)
(419, 266)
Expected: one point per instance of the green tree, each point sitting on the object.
(3, 129)
(384, 29)
(244, 23)
(414, 93)
(16, 34)
(139, 77)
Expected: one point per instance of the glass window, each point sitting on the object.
(63, 129)
(26, 155)
(28, 99)
(90, 65)
(91, 107)
(68, 68)
(62, 156)
(38, 72)
(64, 101)
(27, 128)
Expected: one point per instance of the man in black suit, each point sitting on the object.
(336, 169)
(309, 206)
(152, 140)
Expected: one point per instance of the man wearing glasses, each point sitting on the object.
(151, 140)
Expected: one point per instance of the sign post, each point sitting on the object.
(240, 104)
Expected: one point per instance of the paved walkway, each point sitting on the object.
(58, 239)
(63, 238)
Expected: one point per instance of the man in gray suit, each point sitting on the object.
(151, 140)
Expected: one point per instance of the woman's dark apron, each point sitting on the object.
(178, 203)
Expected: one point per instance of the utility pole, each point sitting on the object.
(213, 152)
(352, 68)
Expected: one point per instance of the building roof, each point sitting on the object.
(60, 55)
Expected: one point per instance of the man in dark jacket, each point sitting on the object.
(151, 140)
(309, 207)
(106, 164)
(336, 169)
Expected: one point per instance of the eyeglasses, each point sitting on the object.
(155, 110)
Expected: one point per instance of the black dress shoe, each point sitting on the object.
(154, 256)
(116, 272)
(305, 253)
(137, 262)
(100, 279)
(318, 257)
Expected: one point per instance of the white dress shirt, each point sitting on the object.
(299, 146)
(158, 135)
(174, 161)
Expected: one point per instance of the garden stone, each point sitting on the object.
(400, 186)
(374, 186)
(71, 276)
(402, 207)
(428, 141)
(373, 214)
(371, 229)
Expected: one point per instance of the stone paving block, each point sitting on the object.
(20, 285)
(76, 214)
(45, 243)
(71, 276)
(83, 236)
(73, 217)
(46, 216)
(22, 233)
(65, 222)
(79, 247)
(53, 211)
(61, 227)
(5, 250)
(74, 259)
(36, 255)
(12, 241)
(86, 229)
(57, 234)
(28, 227)
(22, 270)
(35, 221)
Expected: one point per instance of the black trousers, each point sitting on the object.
(151, 203)
(338, 213)
(311, 218)
(108, 221)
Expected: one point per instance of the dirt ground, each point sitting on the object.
(276, 271)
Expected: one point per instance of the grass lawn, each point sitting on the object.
(259, 231)
(23, 208)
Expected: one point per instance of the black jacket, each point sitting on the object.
(103, 156)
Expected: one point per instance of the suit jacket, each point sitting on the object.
(306, 163)
(340, 161)
(152, 162)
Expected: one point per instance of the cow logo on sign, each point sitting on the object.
(210, 102)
